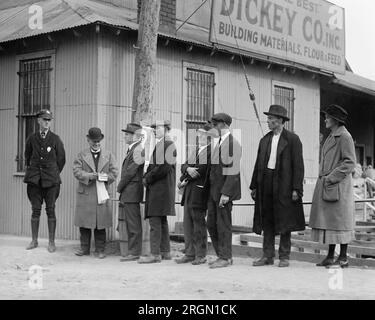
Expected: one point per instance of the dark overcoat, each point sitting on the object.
(45, 159)
(89, 214)
(161, 180)
(130, 186)
(288, 176)
(225, 170)
(335, 173)
(196, 192)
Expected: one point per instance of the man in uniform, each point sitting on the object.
(225, 187)
(45, 159)
(130, 188)
(160, 183)
(277, 188)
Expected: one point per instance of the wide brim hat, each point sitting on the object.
(132, 128)
(45, 114)
(277, 111)
(95, 134)
(336, 112)
(222, 117)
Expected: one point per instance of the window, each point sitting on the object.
(284, 96)
(34, 95)
(200, 97)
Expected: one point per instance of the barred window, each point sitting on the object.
(284, 96)
(200, 100)
(34, 95)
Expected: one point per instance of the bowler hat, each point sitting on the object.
(336, 112)
(222, 117)
(277, 111)
(45, 114)
(161, 123)
(132, 127)
(95, 134)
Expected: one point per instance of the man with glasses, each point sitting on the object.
(45, 159)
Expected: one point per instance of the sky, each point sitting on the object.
(360, 35)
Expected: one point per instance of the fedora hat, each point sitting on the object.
(205, 128)
(222, 117)
(95, 134)
(336, 112)
(277, 111)
(132, 127)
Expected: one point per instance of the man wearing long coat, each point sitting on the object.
(277, 187)
(89, 166)
(160, 182)
(131, 188)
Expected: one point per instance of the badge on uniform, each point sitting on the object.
(48, 149)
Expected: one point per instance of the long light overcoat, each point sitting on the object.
(336, 166)
(88, 213)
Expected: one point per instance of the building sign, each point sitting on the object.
(311, 32)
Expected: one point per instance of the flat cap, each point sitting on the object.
(222, 117)
(45, 114)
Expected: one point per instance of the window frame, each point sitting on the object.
(19, 58)
(287, 85)
(188, 65)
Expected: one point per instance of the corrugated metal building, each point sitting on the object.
(89, 48)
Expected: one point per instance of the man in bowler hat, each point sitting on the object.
(93, 166)
(45, 159)
(277, 187)
(225, 187)
(130, 189)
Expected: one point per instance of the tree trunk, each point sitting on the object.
(144, 80)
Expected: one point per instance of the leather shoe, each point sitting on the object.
(166, 256)
(51, 247)
(184, 259)
(263, 262)
(221, 263)
(81, 253)
(326, 262)
(150, 259)
(340, 262)
(283, 263)
(129, 257)
(33, 244)
(101, 255)
(199, 260)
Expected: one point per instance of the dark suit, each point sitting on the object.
(224, 179)
(275, 212)
(160, 194)
(130, 188)
(194, 200)
(45, 159)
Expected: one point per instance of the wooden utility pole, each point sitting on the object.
(144, 79)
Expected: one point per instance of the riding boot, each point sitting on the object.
(34, 234)
(51, 235)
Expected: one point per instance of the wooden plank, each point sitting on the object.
(252, 252)
(363, 249)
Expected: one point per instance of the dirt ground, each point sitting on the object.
(65, 276)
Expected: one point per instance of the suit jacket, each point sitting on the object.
(225, 170)
(288, 176)
(130, 186)
(45, 159)
(161, 180)
(196, 192)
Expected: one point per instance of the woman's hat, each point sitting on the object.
(336, 112)
(277, 111)
(95, 134)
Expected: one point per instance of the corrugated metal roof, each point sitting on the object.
(356, 82)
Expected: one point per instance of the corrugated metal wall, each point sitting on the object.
(94, 86)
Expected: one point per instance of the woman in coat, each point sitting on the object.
(332, 211)
(93, 165)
